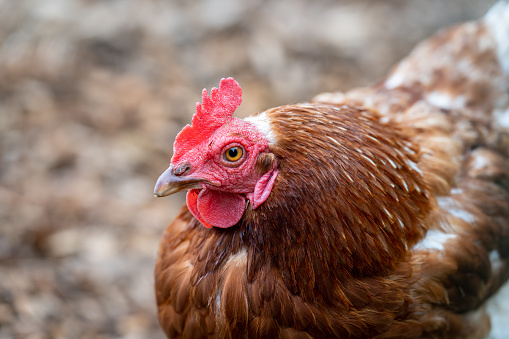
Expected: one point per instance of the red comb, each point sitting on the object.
(210, 115)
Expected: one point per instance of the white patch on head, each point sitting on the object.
(262, 123)
(451, 206)
(434, 240)
(445, 101)
(497, 19)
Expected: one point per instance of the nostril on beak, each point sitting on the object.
(182, 169)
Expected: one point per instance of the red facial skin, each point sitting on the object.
(222, 200)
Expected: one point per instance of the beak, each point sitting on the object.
(169, 183)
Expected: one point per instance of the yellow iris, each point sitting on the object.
(233, 153)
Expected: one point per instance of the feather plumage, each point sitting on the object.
(389, 216)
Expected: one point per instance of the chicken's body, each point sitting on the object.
(388, 216)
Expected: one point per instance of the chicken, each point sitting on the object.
(382, 212)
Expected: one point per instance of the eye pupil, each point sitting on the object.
(232, 152)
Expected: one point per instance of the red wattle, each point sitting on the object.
(216, 208)
(192, 204)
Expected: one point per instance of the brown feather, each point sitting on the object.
(339, 249)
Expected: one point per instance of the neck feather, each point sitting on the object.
(348, 201)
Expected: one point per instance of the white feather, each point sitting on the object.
(497, 20)
(434, 240)
(262, 123)
(498, 309)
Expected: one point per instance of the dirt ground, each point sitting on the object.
(92, 94)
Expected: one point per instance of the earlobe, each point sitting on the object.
(263, 187)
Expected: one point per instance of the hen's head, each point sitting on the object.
(223, 161)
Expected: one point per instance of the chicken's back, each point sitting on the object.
(452, 95)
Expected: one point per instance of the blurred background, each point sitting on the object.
(92, 94)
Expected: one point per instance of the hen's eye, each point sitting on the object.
(234, 153)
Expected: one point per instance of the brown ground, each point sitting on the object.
(92, 94)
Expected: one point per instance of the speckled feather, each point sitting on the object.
(389, 217)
